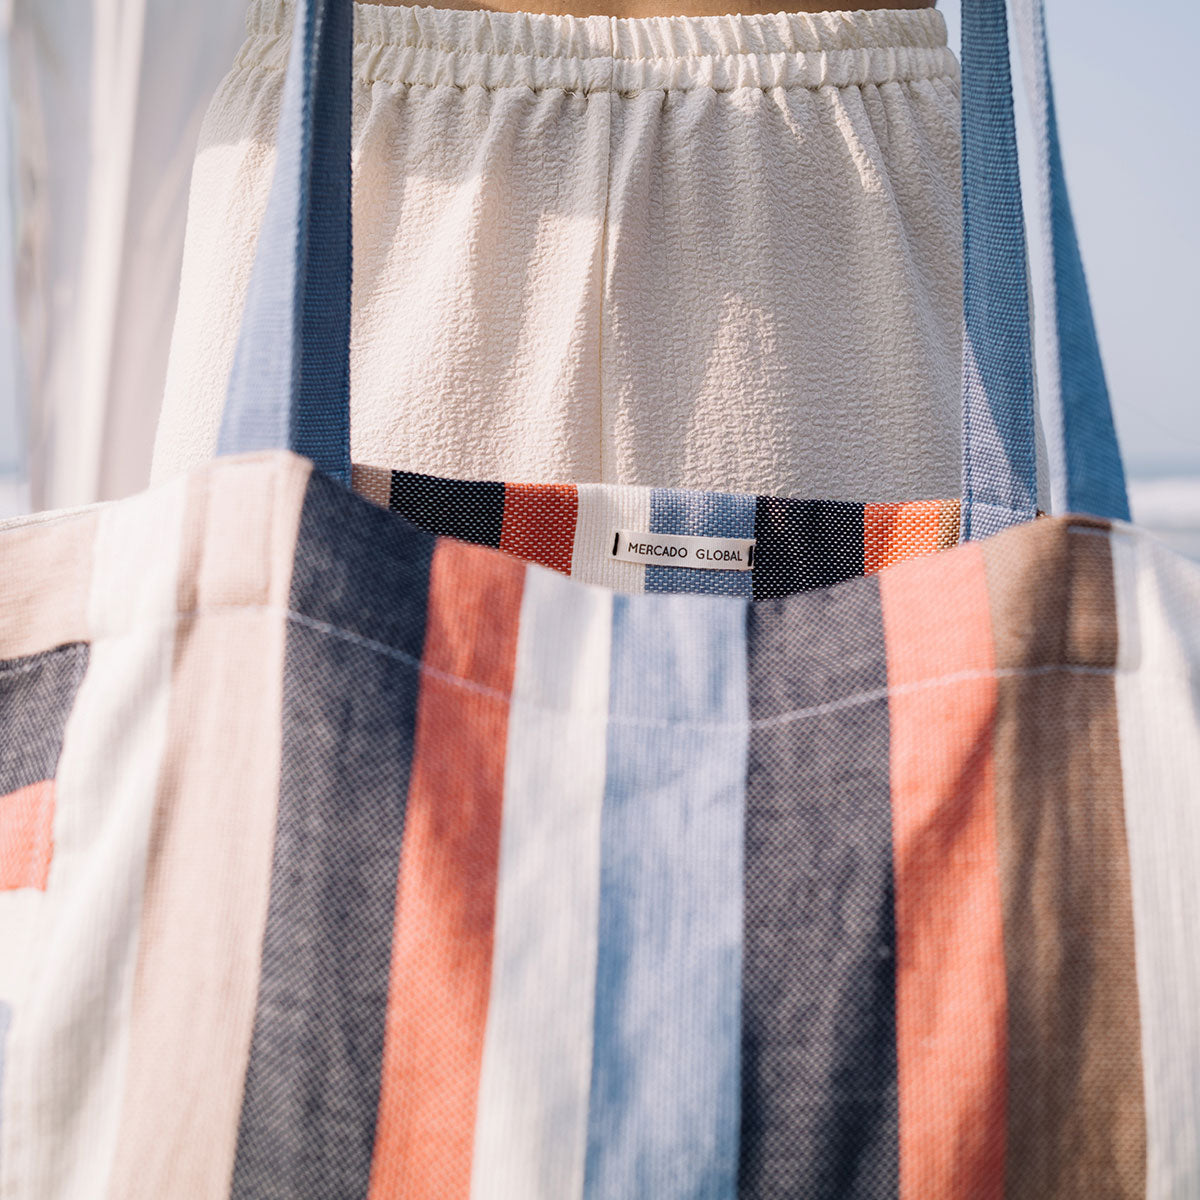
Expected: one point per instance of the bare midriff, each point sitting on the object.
(669, 8)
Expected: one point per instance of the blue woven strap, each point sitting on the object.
(290, 381)
(999, 448)
(1088, 475)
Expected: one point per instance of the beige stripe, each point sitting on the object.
(1076, 1125)
(209, 868)
(67, 1049)
(948, 523)
(372, 483)
(1158, 698)
(45, 576)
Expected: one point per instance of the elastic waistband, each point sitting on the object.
(474, 47)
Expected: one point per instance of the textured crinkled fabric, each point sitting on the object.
(703, 252)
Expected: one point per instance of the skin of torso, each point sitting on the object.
(666, 8)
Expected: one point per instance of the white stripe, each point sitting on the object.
(1048, 411)
(603, 510)
(531, 1130)
(1158, 704)
(65, 1060)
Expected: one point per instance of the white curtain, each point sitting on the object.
(106, 102)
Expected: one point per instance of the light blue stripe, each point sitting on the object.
(700, 514)
(665, 1091)
(999, 455)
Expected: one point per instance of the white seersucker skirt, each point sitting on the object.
(707, 252)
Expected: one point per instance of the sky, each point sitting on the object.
(1131, 143)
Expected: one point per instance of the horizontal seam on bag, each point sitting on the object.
(919, 685)
(491, 693)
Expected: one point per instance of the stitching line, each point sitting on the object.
(899, 689)
(356, 639)
(495, 694)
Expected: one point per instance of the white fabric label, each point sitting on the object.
(678, 550)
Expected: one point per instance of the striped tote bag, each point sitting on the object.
(348, 852)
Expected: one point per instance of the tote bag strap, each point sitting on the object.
(290, 382)
(999, 449)
(289, 386)
(1085, 461)
(999, 453)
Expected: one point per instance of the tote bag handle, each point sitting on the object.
(290, 383)
(1082, 442)
(998, 395)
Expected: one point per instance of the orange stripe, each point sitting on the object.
(446, 898)
(893, 533)
(951, 1006)
(539, 523)
(27, 836)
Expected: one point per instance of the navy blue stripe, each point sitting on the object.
(36, 697)
(805, 544)
(465, 509)
(349, 711)
(290, 380)
(819, 1099)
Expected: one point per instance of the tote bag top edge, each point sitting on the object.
(229, 507)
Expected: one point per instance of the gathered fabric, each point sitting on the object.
(702, 252)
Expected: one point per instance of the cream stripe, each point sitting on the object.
(1158, 706)
(603, 509)
(208, 880)
(66, 1055)
(531, 1129)
(46, 573)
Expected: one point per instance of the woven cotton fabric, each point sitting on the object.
(719, 253)
(799, 544)
(340, 859)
